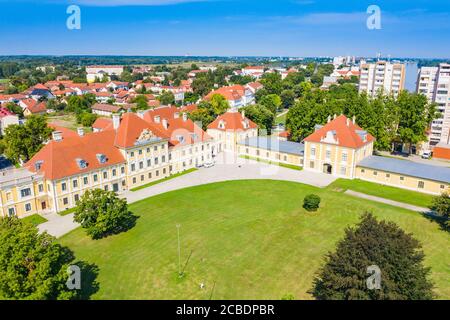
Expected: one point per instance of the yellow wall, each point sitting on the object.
(10, 197)
(343, 160)
(227, 139)
(271, 155)
(401, 181)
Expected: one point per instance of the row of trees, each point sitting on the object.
(404, 119)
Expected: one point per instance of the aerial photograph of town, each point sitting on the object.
(249, 155)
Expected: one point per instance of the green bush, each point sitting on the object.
(311, 202)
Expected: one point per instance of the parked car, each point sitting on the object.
(209, 164)
(427, 154)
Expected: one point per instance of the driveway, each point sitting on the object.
(231, 168)
(228, 167)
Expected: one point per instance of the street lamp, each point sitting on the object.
(179, 251)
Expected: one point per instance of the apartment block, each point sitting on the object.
(434, 83)
(382, 76)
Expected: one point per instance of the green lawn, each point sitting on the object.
(66, 212)
(35, 219)
(280, 118)
(165, 179)
(388, 192)
(285, 165)
(251, 238)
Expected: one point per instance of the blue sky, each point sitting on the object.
(410, 28)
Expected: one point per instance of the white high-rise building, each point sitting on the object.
(434, 83)
(382, 76)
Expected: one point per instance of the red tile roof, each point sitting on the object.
(232, 121)
(59, 158)
(102, 124)
(130, 128)
(235, 92)
(4, 112)
(106, 107)
(34, 106)
(66, 133)
(180, 131)
(345, 133)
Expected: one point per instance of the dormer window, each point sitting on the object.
(180, 138)
(38, 165)
(101, 158)
(331, 137)
(222, 124)
(82, 164)
(246, 124)
(362, 134)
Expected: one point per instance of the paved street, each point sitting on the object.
(387, 201)
(228, 167)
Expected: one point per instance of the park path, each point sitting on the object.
(387, 201)
(228, 167)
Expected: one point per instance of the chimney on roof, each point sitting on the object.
(243, 114)
(354, 120)
(328, 119)
(348, 121)
(116, 121)
(165, 124)
(334, 117)
(185, 117)
(80, 131)
(157, 119)
(57, 135)
(141, 113)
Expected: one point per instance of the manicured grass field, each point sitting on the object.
(66, 212)
(285, 165)
(388, 192)
(252, 238)
(165, 179)
(35, 219)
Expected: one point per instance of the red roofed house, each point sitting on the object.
(337, 147)
(7, 118)
(230, 128)
(31, 106)
(237, 96)
(106, 110)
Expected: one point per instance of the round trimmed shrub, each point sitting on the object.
(311, 202)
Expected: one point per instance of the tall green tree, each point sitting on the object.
(102, 213)
(373, 245)
(287, 99)
(272, 82)
(416, 115)
(33, 266)
(271, 101)
(261, 115)
(441, 205)
(166, 98)
(21, 142)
